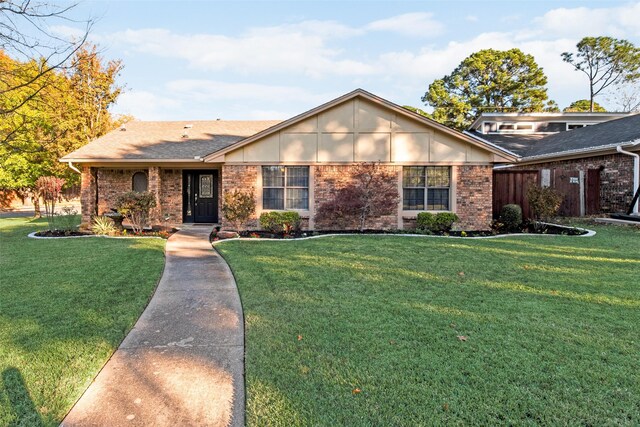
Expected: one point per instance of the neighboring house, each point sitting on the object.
(517, 132)
(296, 164)
(584, 163)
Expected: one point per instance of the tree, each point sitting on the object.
(54, 121)
(584, 105)
(417, 110)
(605, 61)
(489, 81)
(25, 34)
(626, 96)
(372, 192)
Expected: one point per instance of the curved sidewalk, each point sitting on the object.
(182, 364)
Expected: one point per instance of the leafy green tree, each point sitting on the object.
(67, 109)
(584, 106)
(489, 81)
(417, 110)
(605, 61)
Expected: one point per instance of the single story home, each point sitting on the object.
(296, 164)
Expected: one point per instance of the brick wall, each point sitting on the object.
(113, 182)
(171, 196)
(616, 177)
(238, 177)
(329, 179)
(87, 195)
(474, 195)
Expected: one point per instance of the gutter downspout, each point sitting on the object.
(636, 172)
(74, 168)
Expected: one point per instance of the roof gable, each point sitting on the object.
(359, 126)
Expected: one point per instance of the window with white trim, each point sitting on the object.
(285, 187)
(426, 188)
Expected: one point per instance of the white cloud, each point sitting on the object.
(273, 50)
(418, 24)
(622, 21)
(67, 32)
(471, 18)
(212, 90)
(144, 105)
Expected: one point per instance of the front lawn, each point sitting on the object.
(65, 306)
(427, 331)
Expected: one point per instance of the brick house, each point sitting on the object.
(296, 164)
(581, 147)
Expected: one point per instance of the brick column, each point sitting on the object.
(87, 195)
(155, 217)
(474, 197)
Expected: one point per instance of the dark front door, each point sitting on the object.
(200, 196)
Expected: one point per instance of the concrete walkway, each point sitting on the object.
(182, 364)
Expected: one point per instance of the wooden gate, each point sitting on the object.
(510, 186)
(580, 191)
(567, 183)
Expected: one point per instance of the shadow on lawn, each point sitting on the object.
(22, 406)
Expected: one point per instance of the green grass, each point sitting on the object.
(65, 306)
(552, 327)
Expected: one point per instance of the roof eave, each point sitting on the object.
(112, 160)
(603, 149)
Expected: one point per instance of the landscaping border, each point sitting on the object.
(33, 236)
(590, 233)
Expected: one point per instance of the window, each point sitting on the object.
(140, 182)
(516, 126)
(285, 187)
(426, 188)
(572, 126)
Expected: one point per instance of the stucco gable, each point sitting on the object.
(359, 127)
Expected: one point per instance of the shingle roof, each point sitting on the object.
(164, 140)
(599, 136)
(516, 143)
(604, 134)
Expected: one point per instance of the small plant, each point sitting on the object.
(238, 206)
(103, 225)
(280, 222)
(511, 217)
(50, 188)
(436, 223)
(544, 202)
(66, 219)
(136, 206)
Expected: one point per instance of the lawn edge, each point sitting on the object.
(590, 233)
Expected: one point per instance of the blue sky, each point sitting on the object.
(272, 60)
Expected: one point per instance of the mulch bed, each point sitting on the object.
(164, 232)
(526, 229)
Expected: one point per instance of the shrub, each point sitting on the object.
(511, 217)
(280, 222)
(136, 206)
(544, 202)
(50, 188)
(238, 206)
(103, 225)
(436, 223)
(373, 191)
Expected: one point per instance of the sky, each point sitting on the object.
(244, 60)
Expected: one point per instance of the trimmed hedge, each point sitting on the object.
(280, 221)
(511, 216)
(436, 223)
